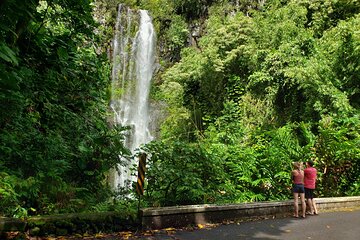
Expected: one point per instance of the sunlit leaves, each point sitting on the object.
(341, 47)
(177, 34)
(338, 153)
(278, 74)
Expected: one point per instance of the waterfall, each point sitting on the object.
(133, 66)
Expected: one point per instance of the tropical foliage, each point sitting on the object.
(248, 87)
(56, 144)
(262, 88)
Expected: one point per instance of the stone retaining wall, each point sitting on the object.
(74, 223)
(157, 218)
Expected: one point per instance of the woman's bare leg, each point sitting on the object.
(303, 204)
(296, 205)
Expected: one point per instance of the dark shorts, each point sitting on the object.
(309, 193)
(298, 188)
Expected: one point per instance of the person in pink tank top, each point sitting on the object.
(297, 176)
(309, 185)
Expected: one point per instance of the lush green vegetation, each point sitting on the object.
(56, 144)
(263, 86)
(255, 87)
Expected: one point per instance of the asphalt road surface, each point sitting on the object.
(340, 225)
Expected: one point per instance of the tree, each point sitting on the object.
(57, 146)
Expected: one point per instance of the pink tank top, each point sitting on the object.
(298, 178)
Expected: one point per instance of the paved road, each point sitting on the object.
(344, 225)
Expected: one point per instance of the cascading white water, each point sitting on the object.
(133, 67)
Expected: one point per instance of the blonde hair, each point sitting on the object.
(297, 165)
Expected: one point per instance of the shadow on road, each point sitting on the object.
(326, 226)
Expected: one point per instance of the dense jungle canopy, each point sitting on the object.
(246, 88)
